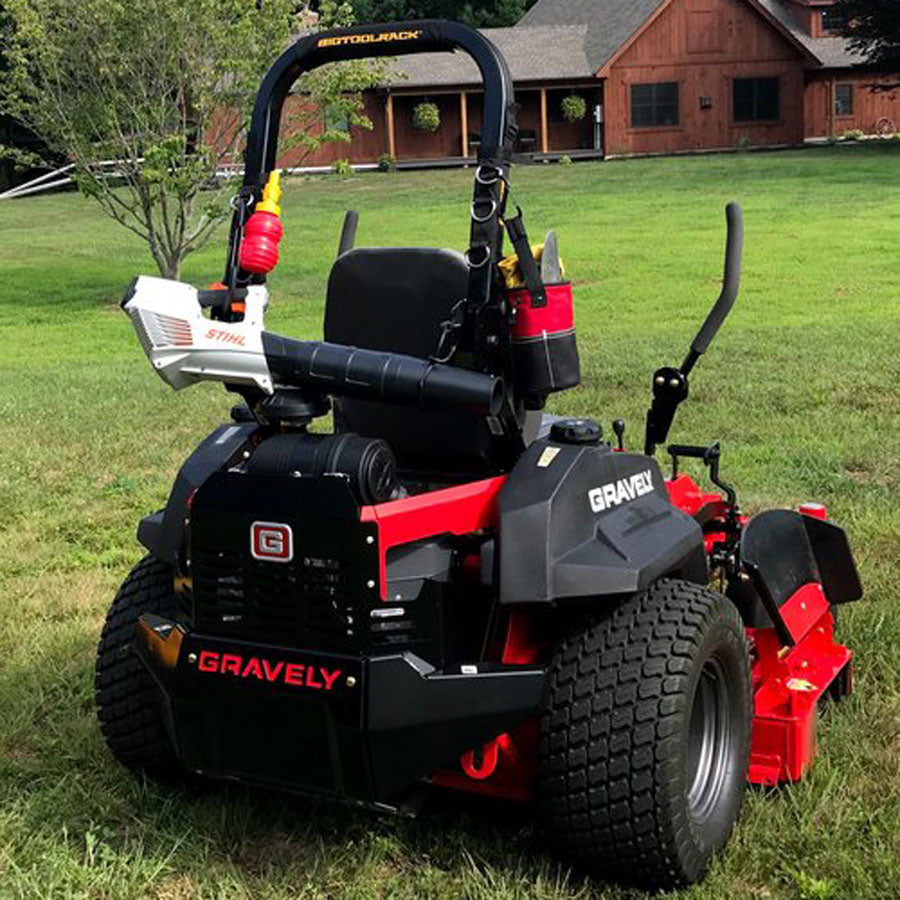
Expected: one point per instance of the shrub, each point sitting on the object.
(743, 145)
(573, 108)
(854, 134)
(565, 160)
(426, 117)
(386, 162)
(342, 167)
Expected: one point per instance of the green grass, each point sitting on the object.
(801, 387)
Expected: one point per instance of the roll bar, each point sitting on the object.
(498, 130)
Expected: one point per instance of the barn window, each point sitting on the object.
(336, 119)
(654, 105)
(833, 20)
(843, 100)
(756, 100)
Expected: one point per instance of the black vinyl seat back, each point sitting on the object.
(396, 299)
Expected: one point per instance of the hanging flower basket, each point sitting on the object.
(426, 117)
(574, 108)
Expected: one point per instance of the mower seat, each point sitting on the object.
(396, 299)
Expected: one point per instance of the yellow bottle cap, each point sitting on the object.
(271, 195)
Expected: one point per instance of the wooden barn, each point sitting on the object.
(655, 76)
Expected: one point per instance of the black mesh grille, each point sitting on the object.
(322, 599)
(308, 602)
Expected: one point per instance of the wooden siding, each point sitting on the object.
(414, 144)
(868, 106)
(808, 15)
(565, 135)
(365, 145)
(703, 45)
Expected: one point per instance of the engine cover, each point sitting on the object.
(583, 521)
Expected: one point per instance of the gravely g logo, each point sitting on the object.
(271, 542)
(370, 38)
(317, 678)
(617, 492)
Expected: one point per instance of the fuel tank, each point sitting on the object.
(578, 520)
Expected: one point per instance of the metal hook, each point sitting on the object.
(482, 219)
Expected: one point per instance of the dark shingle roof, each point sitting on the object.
(610, 22)
(558, 40)
(831, 52)
(542, 53)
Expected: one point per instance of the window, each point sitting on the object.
(336, 120)
(833, 20)
(654, 105)
(756, 100)
(843, 100)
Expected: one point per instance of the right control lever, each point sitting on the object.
(670, 385)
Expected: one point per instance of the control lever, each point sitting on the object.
(710, 457)
(619, 431)
(348, 232)
(670, 385)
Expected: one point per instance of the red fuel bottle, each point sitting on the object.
(263, 231)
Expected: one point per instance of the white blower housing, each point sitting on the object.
(185, 347)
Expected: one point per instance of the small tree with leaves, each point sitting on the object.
(873, 27)
(149, 99)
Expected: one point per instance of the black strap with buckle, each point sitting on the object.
(518, 236)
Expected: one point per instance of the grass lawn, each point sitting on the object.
(801, 387)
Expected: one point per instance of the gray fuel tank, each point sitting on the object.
(580, 520)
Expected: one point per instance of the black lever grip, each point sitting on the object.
(691, 451)
(343, 371)
(730, 286)
(348, 232)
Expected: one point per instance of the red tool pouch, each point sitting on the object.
(545, 352)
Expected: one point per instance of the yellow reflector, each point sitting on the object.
(162, 642)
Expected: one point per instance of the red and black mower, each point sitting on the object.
(454, 588)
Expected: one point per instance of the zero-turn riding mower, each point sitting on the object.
(454, 588)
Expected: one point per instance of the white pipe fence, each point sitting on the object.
(43, 182)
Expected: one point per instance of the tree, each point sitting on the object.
(480, 14)
(148, 100)
(873, 27)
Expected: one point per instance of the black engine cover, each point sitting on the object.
(584, 521)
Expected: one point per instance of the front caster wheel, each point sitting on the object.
(645, 736)
(128, 704)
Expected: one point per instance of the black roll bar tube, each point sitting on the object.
(498, 130)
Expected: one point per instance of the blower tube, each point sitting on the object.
(373, 375)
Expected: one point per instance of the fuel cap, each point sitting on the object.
(576, 431)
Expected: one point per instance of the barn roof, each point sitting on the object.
(831, 52)
(543, 53)
(611, 23)
(559, 40)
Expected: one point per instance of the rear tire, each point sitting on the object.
(645, 736)
(127, 698)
